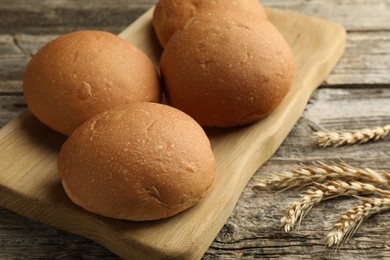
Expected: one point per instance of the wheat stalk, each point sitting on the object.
(348, 137)
(352, 219)
(297, 210)
(321, 172)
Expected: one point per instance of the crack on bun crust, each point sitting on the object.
(153, 192)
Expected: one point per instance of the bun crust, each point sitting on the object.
(227, 69)
(142, 161)
(81, 74)
(172, 15)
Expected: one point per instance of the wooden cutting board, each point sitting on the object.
(29, 184)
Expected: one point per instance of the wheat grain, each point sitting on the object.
(349, 137)
(346, 226)
(297, 210)
(321, 172)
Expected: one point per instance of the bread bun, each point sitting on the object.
(171, 15)
(80, 74)
(227, 69)
(142, 161)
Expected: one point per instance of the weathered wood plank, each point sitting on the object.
(30, 44)
(346, 108)
(12, 59)
(355, 15)
(341, 109)
(16, 51)
(44, 242)
(20, 16)
(11, 87)
(366, 59)
(10, 107)
(58, 16)
(8, 46)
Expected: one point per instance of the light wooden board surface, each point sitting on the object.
(30, 186)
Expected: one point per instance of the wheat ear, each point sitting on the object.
(321, 172)
(348, 137)
(297, 210)
(352, 219)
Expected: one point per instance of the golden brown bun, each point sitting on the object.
(80, 74)
(227, 69)
(171, 15)
(141, 161)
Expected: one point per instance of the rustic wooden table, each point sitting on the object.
(355, 95)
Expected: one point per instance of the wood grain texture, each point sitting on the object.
(251, 232)
(354, 15)
(366, 60)
(58, 16)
